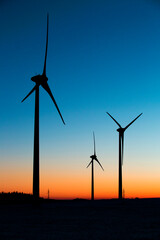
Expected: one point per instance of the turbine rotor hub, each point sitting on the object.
(120, 130)
(39, 78)
(93, 156)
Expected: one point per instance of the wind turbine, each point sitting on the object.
(121, 149)
(93, 157)
(40, 80)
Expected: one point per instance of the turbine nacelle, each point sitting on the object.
(120, 130)
(93, 157)
(39, 79)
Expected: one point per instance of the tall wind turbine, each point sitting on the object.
(40, 80)
(93, 157)
(121, 149)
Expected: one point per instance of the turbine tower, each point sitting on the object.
(121, 149)
(93, 157)
(40, 80)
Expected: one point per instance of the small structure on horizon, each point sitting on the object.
(48, 193)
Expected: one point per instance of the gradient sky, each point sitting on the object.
(103, 55)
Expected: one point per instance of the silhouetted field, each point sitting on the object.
(80, 219)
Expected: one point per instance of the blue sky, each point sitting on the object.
(102, 56)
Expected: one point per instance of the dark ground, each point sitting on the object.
(81, 219)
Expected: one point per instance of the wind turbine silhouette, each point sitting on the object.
(121, 149)
(93, 157)
(40, 80)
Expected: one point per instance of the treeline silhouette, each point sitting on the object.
(16, 197)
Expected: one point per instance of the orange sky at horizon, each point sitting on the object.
(74, 184)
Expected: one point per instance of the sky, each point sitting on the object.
(103, 56)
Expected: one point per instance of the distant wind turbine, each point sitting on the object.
(40, 80)
(93, 157)
(121, 149)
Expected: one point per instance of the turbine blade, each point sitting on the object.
(44, 69)
(114, 120)
(99, 164)
(29, 93)
(122, 138)
(46, 87)
(132, 122)
(94, 144)
(89, 163)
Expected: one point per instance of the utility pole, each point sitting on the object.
(48, 193)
